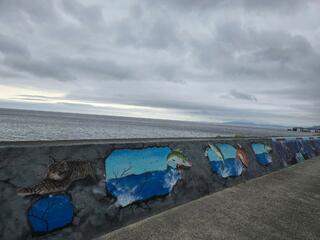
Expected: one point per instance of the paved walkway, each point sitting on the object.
(281, 205)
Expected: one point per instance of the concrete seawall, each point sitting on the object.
(157, 175)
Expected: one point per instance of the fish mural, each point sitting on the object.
(242, 155)
(262, 152)
(224, 161)
(50, 213)
(134, 175)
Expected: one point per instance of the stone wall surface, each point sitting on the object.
(80, 191)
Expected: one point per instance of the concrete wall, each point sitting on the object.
(94, 209)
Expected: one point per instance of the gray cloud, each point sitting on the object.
(12, 46)
(208, 60)
(240, 95)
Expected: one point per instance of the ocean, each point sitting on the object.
(24, 125)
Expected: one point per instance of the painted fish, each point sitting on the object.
(217, 152)
(177, 158)
(268, 148)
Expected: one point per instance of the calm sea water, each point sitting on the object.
(21, 125)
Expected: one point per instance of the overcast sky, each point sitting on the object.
(203, 60)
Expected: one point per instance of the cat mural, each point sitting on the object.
(55, 211)
(60, 175)
(135, 175)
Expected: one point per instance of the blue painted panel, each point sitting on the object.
(316, 144)
(227, 168)
(125, 162)
(144, 186)
(282, 151)
(262, 155)
(50, 213)
(227, 150)
(305, 148)
(223, 160)
(141, 174)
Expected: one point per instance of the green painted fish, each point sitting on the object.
(177, 159)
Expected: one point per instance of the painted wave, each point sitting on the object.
(134, 188)
(263, 158)
(227, 168)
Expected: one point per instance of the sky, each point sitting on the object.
(205, 60)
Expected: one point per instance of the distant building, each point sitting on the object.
(301, 129)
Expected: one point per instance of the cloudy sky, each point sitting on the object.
(204, 60)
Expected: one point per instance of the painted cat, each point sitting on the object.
(61, 174)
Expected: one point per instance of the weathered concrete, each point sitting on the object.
(282, 205)
(26, 163)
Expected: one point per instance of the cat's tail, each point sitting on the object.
(25, 191)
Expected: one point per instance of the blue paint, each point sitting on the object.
(227, 168)
(262, 156)
(316, 144)
(50, 213)
(227, 150)
(228, 165)
(124, 162)
(144, 186)
(282, 151)
(140, 174)
(297, 154)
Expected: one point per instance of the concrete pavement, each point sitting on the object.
(281, 205)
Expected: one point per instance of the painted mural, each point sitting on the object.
(294, 150)
(138, 175)
(315, 145)
(134, 175)
(60, 175)
(262, 153)
(242, 155)
(50, 213)
(225, 161)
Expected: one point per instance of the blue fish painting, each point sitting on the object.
(262, 153)
(134, 175)
(50, 213)
(223, 160)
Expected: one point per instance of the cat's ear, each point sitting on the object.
(52, 160)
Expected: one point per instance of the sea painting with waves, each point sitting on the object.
(135, 175)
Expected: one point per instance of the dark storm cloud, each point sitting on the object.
(208, 59)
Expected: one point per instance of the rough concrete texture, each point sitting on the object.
(282, 205)
(25, 164)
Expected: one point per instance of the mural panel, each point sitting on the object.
(224, 161)
(315, 142)
(134, 175)
(262, 152)
(60, 176)
(305, 148)
(282, 150)
(50, 213)
(296, 151)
